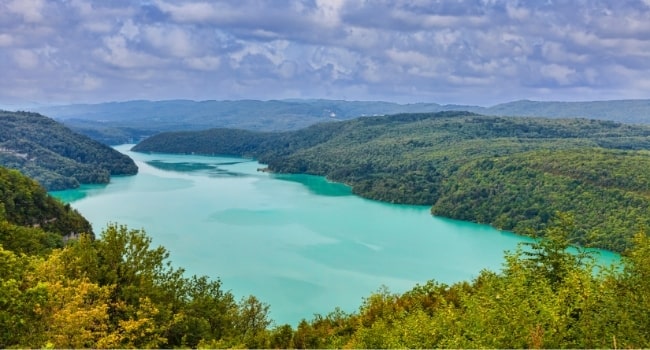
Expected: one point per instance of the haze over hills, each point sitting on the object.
(55, 156)
(122, 122)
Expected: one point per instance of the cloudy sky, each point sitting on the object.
(479, 52)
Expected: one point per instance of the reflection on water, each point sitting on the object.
(317, 184)
(215, 169)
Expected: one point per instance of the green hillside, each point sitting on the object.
(55, 156)
(513, 173)
(30, 220)
(126, 122)
(60, 287)
(119, 291)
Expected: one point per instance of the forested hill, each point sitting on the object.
(119, 291)
(31, 221)
(123, 122)
(55, 156)
(513, 173)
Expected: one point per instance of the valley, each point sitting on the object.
(514, 173)
(252, 210)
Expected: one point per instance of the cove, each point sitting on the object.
(297, 242)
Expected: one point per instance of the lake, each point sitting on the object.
(297, 242)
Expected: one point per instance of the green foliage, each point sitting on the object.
(548, 257)
(545, 297)
(605, 190)
(512, 173)
(17, 298)
(28, 240)
(281, 337)
(31, 221)
(118, 291)
(55, 156)
(114, 291)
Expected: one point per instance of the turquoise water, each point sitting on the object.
(298, 242)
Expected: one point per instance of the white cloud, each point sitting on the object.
(371, 72)
(633, 24)
(328, 12)
(174, 41)
(582, 37)
(428, 48)
(416, 63)
(557, 52)
(438, 21)
(129, 30)
(336, 63)
(362, 38)
(445, 38)
(410, 58)
(472, 81)
(287, 69)
(561, 74)
(517, 12)
(118, 54)
(498, 43)
(273, 51)
(488, 67)
(98, 16)
(30, 10)
(26, 59)
(86, 82)
(100, 27)
(192, 12)
(619, 49)
(206, 63)
(591, 75)
(6, 40)
(83, 7)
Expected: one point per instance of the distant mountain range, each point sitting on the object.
(55, 156)
(123, 122)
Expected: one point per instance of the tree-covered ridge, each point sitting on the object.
(29, 215)
(607, 190)
(513, 173)
(118, 291)
(123, 122)
(55, 156)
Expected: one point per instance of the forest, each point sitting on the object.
(116, 123)
(569, 181)
(512, 173)
(116, 290)
(54, 155)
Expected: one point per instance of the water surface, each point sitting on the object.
(298, 242)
